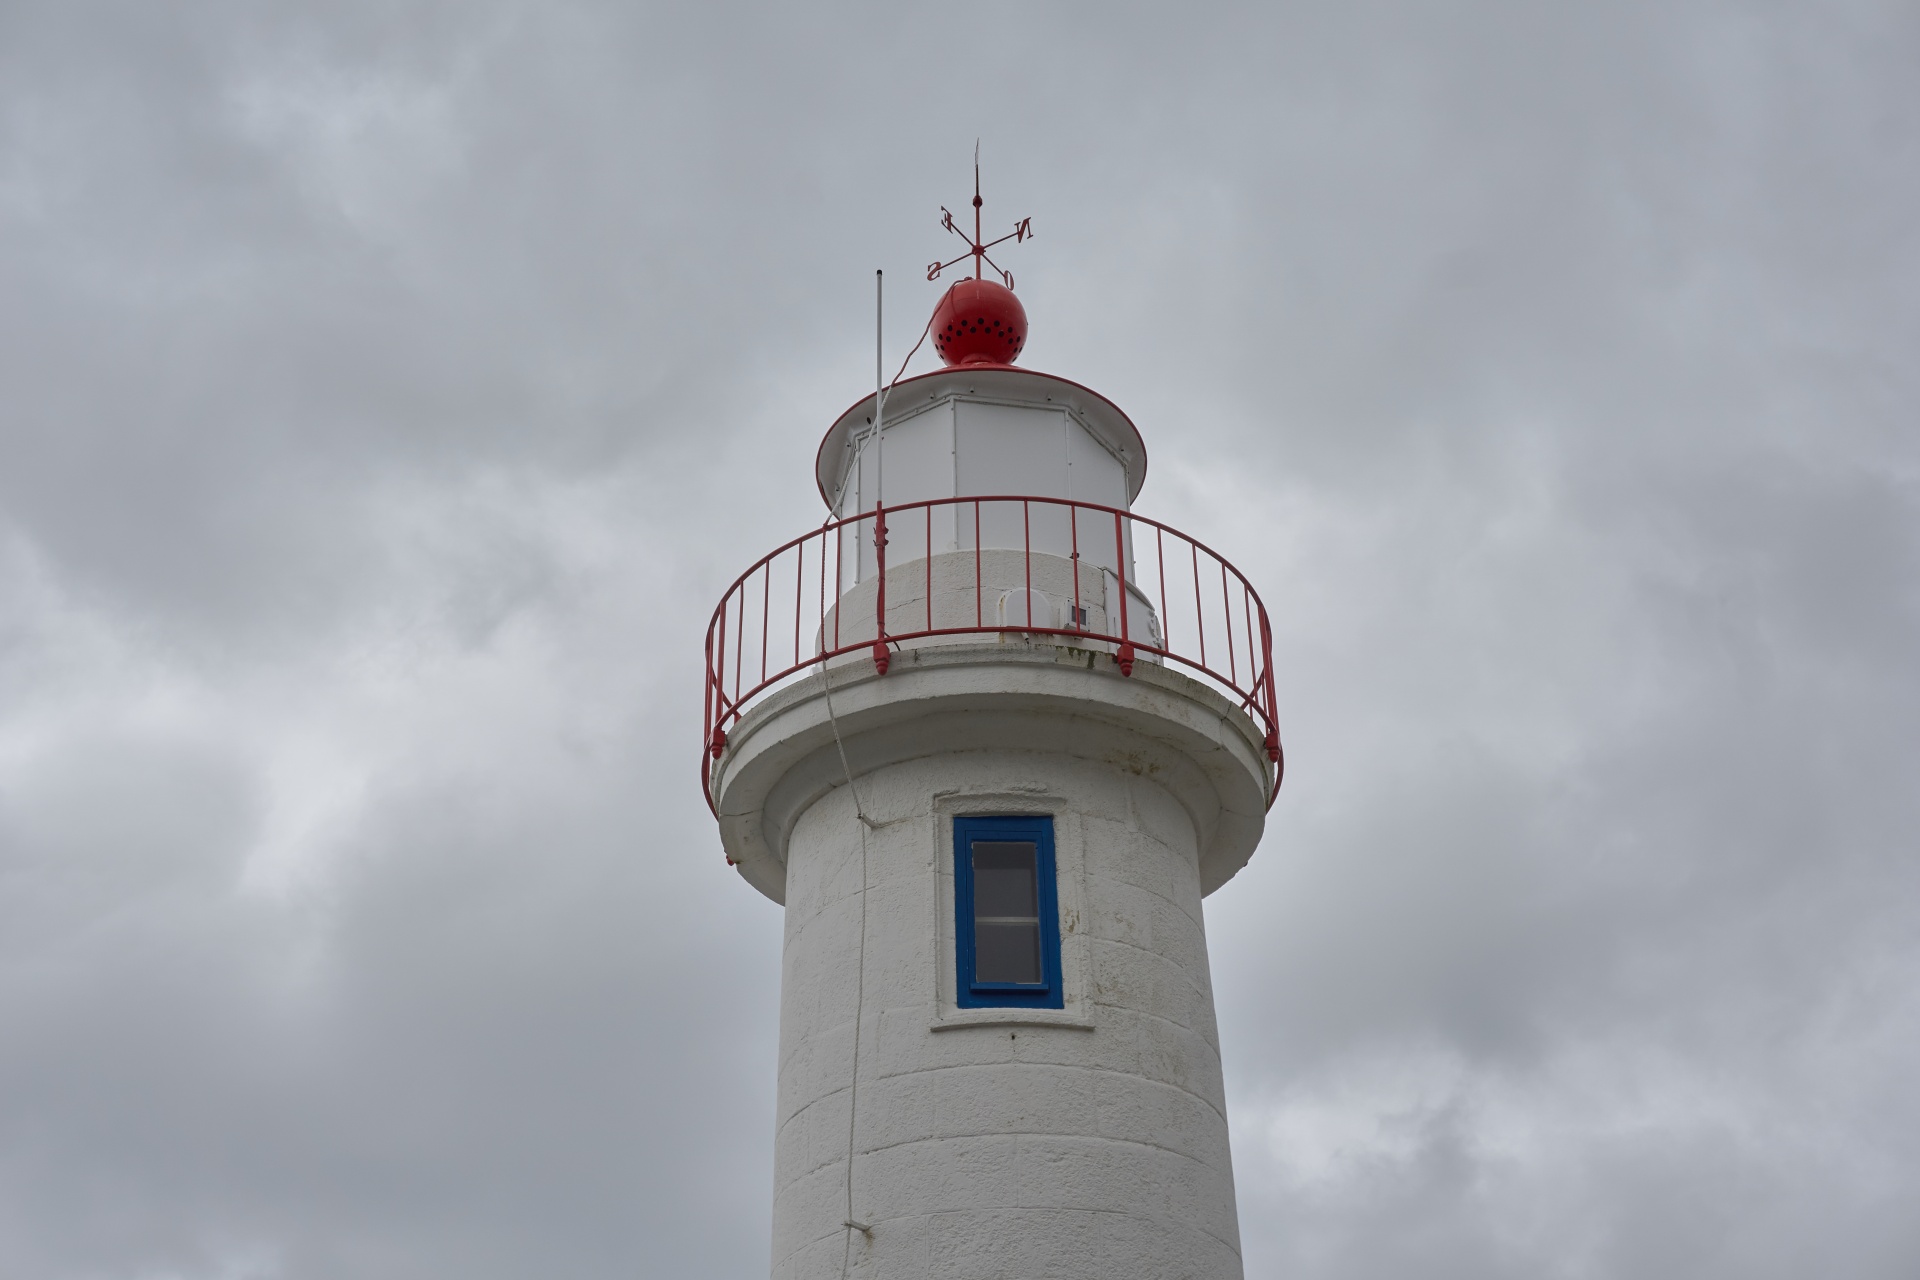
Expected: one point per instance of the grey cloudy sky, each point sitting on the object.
(387, 391)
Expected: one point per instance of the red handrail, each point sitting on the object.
(723, 705)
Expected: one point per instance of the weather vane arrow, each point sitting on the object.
(1022, 230)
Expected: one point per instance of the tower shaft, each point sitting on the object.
(1085, 1140)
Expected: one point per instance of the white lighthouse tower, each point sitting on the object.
(990, 737)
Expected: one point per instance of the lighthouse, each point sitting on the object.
(990, 737)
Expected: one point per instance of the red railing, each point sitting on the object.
(1163, 580)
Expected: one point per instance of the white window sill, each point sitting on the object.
(1011, 1018)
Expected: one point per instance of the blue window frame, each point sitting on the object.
(1006, 914)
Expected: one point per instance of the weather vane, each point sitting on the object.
(1022, 230)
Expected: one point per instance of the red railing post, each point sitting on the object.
(880, 589)
(979, 608)
(1073, 531)
(1226, 619)
(717, 740)
(1160, 559)
(1273, 703)
(1026, 535)
(1199, 610)
(1246, 607)
(739, 638)
(1125, 656)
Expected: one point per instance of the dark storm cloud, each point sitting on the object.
(389, 391)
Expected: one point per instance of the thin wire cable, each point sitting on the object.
(859, 809)
(916, 346)
(860, 975)
(860, 812)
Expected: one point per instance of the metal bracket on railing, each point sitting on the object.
(719, 743)
(1125, 658)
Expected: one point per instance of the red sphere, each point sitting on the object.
(979, 322)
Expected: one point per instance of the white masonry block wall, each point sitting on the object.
(1089, 1141)
(992, 1142)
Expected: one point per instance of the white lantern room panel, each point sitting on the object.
(1095, 475)
(959, 447)
(1010, 449)
(1004, 449)
(917, 465)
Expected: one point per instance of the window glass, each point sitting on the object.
(1007, 926)
(1006, 911)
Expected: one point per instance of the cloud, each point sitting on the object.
(390, 391)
